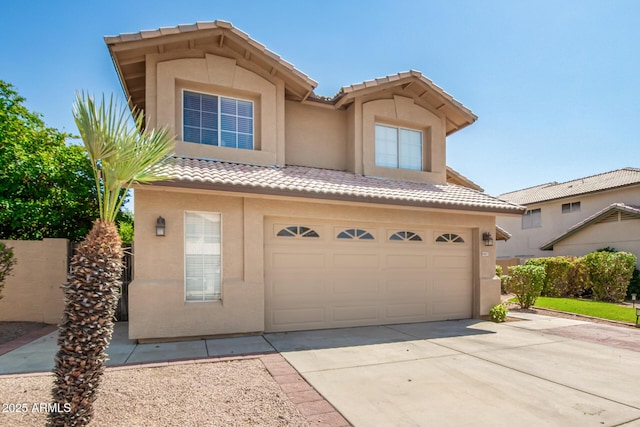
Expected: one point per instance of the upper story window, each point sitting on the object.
(217, 120)
(570, 207)
(532, 218)
(398, 148)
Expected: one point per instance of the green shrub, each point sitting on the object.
(125, 229)
(7, 261)
(525, 282)
(556, 283)
(503, 288)
(609, 274)
(578, 278)
(634, 284)
(498, 313)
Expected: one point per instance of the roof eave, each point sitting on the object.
(581, 226)
(200, 185)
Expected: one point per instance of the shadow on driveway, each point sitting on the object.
(371, 335)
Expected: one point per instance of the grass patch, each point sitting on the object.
(602, 310)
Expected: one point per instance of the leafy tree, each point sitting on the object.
(125, 227)
(120, 156)
(46, 186)
(7, 262)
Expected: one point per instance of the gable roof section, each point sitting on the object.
(611, 213)
(128, 52)
(299, 181)
(458, 116)
(591, 184)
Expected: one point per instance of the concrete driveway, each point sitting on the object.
(472, 373)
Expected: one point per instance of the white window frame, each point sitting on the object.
(532, 218)
(401, 149)
(219, 142)
(205, 249)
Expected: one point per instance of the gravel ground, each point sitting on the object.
(229, 393)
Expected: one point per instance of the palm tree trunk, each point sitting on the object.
(91, 296)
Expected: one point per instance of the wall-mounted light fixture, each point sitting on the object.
(160, 226)
(487, 238)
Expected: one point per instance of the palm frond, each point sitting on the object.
(122, 153)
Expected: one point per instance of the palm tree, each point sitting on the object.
(121, 155)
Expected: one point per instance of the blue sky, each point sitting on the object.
(555, 84)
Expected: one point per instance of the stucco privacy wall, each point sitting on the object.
(33, 292)
(167, 77)
(621, 235)
(157, 305)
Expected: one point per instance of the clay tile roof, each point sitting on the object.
(403, 75)
(627, 212)
(328, 184)
(208, 25)
(554, 190)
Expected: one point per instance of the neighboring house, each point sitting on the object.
(575, 217)
(288, 210)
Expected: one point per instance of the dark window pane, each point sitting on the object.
(245, 109)
(228, 106)
(245, 142)
(210, 104)
(191, 134)
(228, 139)
(245, 125)
(209, 120)
(192, 100)
(191, 118)
(209, 137)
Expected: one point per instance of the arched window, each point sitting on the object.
(355, 234)
(406, 236)
(297, 231)
(449, 238)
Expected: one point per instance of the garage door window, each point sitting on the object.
(355, 234)
(408, 236)
(297, 231)
(449, 238)
(202, 264)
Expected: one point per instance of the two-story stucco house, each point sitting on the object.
(287, 210)
(575, 217)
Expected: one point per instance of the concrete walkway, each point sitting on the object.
(38, 355)
(537, 371)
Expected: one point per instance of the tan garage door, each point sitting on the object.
(322, 275)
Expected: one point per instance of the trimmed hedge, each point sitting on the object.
(609, 274)
(605, 275)
(556, 281)
(525, 282)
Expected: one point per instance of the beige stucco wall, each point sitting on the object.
(156, 297)
(167, 77)
(33, 292)
(315, 136)
(526, 243)
(621, 235)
